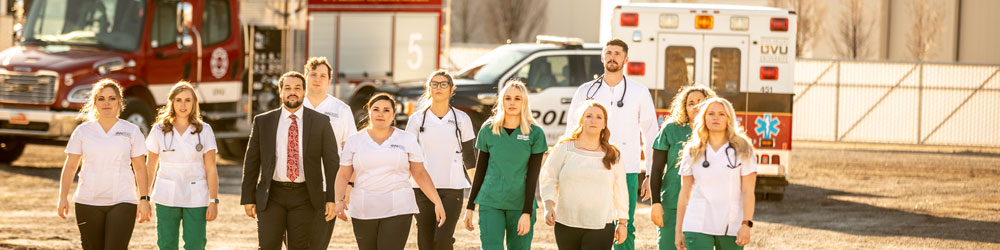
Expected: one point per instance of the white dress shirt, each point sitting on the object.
(281, 147)
(382, 173)
(716, 204)
(633, 126)
(587, 194)
(445, 163)
(106, 176)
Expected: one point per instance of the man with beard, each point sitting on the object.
(631, 120)
(290, 150)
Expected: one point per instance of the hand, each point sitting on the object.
(645, 192)
(63, 208)
(621, 233)
(143, 213)
(468, 220)
(341, 209)
(212, 212)
(656, 214)
(331, 211)
(524, 225)
(251, 210)
(550, 216)
(679, 241)
(439, 213)
(743, 236)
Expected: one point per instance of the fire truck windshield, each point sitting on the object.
(114, 24)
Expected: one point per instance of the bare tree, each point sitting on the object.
(514, 20)
(855, 31)
(810, 15)
(925, 31)
(462, 22)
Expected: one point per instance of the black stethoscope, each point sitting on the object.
(729, 161)
(458, 133)
(599, 82)
(170, 146)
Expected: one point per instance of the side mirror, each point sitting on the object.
(184, 20)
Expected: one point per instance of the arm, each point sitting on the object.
(340, 189)
(549, 177)
(477, 182)
(65, 181)
(687, 182)
(748, 184)
(620, 193)
(141, 176)
(251, 167)
(656, 178)
(212, 174)
(531, 181)
(331, 158)
(152, 165)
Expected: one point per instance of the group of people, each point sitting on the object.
(304, 167)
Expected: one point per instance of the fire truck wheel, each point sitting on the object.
(10, 149)
(138, 112)
(233, 149)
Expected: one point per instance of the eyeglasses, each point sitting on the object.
(440, 85)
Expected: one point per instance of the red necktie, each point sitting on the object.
(293, 150)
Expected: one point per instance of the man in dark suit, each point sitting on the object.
(290, 150)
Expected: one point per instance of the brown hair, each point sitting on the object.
(89, 112)
(167, 115)
(426, 97)
(316, 62)
(281, 81)
(617, 42)
(375, 98)
(678, 106)
(610, 151)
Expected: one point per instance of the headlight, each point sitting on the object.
(80, 94)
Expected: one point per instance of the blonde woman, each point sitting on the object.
(716, 203)
(583, 174)
(113, 188)
(182, 160)
(510, 157)
(666, 153)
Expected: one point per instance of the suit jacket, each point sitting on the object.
(319, 150)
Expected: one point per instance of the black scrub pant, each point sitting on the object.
(574, 238)
(388, 233)
(429, 235)
(289, 217)
(106, 227)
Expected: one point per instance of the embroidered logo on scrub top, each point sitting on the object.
(125, 134)
(451, 121)
(522, 137)
(332, 114)
(400, 147)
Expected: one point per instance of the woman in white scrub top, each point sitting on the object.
(383, 158)
(182, 160)
(716, 203)
(441, 131)
(111, 192)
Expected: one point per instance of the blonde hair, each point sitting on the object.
(735, 134)
(167, 114)
(499, 111)
(611, 152)
(678, 106)
(89, 112)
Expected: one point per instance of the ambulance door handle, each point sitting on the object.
(566, 100)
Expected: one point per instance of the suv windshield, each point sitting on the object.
(115, 24)
(489, 67)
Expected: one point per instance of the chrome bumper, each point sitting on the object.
(41, 123)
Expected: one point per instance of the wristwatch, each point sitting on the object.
(216, 200)
(749, 223)
(144, 198)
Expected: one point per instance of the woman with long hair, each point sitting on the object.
(382, 159)
(113, 188)
(584, 186)
(182, 153)
(441, 131)
(716, 203)
(510, 157)
(666, 153)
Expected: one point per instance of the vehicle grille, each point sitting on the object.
(28, 88)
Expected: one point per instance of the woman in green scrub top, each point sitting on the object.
(666, 149)
(510, 158)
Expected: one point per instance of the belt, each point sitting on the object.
(288, 185)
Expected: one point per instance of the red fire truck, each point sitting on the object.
(746, 54)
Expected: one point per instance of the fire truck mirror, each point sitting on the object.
(184, 16)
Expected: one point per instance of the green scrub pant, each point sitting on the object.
(168, 225)
(633, 194)
(700, 241)
(666, 234)
(495, 223)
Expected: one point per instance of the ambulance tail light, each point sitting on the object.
(775, 159)
(630, 19)
(703, 22)
(764, 160)
(768, 73)
(637, 68)
(779, 24)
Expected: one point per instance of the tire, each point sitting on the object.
(139, 112)
(775, 197)
(233, 149)
(10, 150)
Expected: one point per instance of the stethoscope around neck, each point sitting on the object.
(458, 132)
(729, 161)
(599, 82)
(170, 146)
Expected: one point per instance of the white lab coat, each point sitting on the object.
(633, 126)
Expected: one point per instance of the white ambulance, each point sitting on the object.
(745, 53)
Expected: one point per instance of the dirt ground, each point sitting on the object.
(838, 199)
